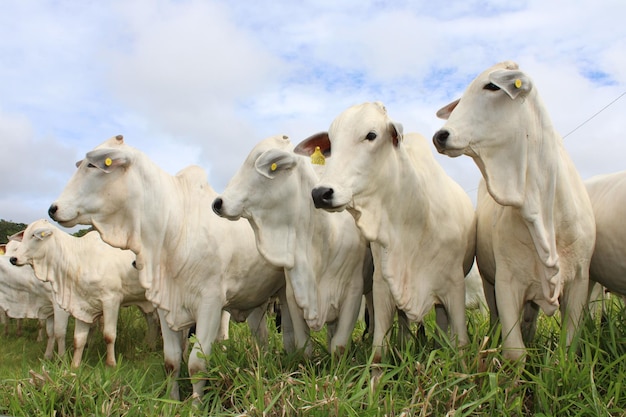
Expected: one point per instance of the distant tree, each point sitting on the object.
(8, 228)
(83, 232)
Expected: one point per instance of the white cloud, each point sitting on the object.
(200, 82)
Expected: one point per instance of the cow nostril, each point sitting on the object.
(52, 211)
(441, 137)
(13, 260)
(217, 206)
(323, 197)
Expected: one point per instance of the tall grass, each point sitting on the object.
(420, 378)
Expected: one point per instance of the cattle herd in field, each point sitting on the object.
(360, 212)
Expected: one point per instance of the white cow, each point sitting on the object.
(322, 253)
(608, 199)
(89, 279)
(192, 263)
(419, 221)
(535, 231)
(23, 296)
(474, 291)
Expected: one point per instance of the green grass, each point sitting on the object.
(421, 378)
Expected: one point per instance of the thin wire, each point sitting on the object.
(600, 111)
(583, 123)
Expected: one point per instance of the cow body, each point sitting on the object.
(322, 253)
(89, 279)
(419, 222)
(24, 296)
(608, 199)
(192, 263)
(535, 226)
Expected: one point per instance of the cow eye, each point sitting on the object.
(370, 136)
(491, 87)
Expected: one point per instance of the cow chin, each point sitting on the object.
(453, 153)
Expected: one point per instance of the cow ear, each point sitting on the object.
(107, 159)
(307, 146)
(445, 111)
(17, 236)
(513, 82)
(42, 233)
(273, 161)
(397, 132)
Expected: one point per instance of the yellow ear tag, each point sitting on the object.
(108, 162)
(317, 157)
(274, 167)
(518, 83)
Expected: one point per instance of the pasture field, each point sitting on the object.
(423, 378)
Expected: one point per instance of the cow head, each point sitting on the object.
(33, 246)
(490, 123)
(263, 191)
(100, 192)
(357, 139)
(502, 124)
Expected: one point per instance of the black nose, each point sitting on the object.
(217, 206)
(52, 211)
(13, 260)
(322, 197)
(440, 138)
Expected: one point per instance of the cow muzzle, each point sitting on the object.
(52, 210)
(217, 205)
(440, 140)
(323, 197)
(220, 209)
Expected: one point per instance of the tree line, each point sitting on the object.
(9, 228)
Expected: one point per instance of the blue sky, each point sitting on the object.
(201, 82)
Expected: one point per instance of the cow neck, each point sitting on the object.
(395, 206)
(157, 214)
(60, 254)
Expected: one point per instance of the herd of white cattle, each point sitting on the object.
(361, 212)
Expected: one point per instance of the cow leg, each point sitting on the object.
(454, 304)
(50, 343)
(529, 321)
(286, 325)
(258, 325)
(301, 329)
(81, 331)
(18, 330)
(573, 302)
(41, 325)
(207, 326)
(172, 353)
(510, 300)
(385, 309)
(61, 318)
(224, 326)
(345, 325)
(152, 326)
(441, 318)
(490, 297)
(110, 315)
(369, 317)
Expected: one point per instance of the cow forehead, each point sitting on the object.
(483, 76)
(356, 122)
(281, 142)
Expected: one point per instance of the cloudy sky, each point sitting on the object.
(202, 81)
